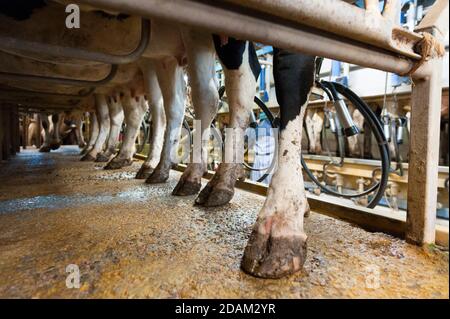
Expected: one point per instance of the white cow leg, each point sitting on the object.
(93, 133)
(116, 117)
(104, 123)
(205, 98)
(55, 138)
(79, 130)
(354, 144)
(277, 245)
(240, 87)
(171, 82)
(45, 123)
(371, 6)
(134, 108)
(157, 119)
(314, 124)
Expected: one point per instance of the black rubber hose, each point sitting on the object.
(330, 86)
(382, 144)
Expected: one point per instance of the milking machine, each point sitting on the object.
(338, 94)
(342, 124)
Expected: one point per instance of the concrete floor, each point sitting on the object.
(130, 239)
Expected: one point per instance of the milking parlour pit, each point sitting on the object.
(224, 159)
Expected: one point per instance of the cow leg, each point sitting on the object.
(134, 108)
(171, 82)
(241, 68)
(116, 117)
(79, 131)
(55, 141)
(158, 120)
(205, 98)
(354, 143)
(34, 136)
(104, 123)
(45, 123)
(32, 133)
(314, 125)
(93, 131)
(277, 245)
(371, 5)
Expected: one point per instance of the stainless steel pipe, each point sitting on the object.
(340, 18)
(11, 44)
(6, 76)
(284, 34)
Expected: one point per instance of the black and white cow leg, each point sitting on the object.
(134, 108)
(171, 82)
(241, 68)
(45, 123)
(79, 130)
(158, 119)
(94, 130)
(205, 98)
(116, 117)
(277, 246)
(55, 141)
(102, 113)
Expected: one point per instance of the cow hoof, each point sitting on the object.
(144, 172)
(55, 146)
(45, 149)
(273, 257)
(307, 210)
(203, 196)
(158, 176)
(87, 158)
(82, 145)
(186, 188)
(102, 158)
(216, 197)
(85, 150)
(118, 163)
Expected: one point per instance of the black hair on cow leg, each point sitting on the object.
(20, 9)
(294, 77)
(55, 118)
(231, 54)
(44, 125)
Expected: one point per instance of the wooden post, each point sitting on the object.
(39, 129)
(424, 136)
(15, 129)
(6, 126)
(25, 125)
(424, 156)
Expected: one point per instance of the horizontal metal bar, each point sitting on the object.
(6, 76)
(340, 18)
(19, 45)
(37, 105)
(280, 33)
(22, 101)
(28, 93)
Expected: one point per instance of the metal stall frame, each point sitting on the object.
(13, 44)
(358, 36)
(337, 30)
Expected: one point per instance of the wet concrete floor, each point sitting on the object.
(130, 239)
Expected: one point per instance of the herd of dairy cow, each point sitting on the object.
(155, 82)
